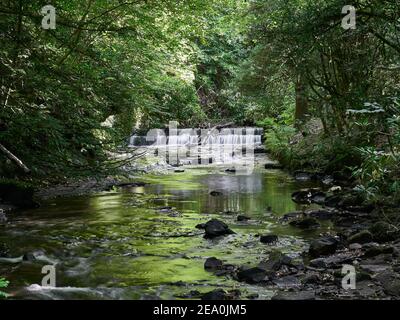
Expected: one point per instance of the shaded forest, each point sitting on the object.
(328, 98)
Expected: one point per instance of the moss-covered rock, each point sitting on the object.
(363, 236)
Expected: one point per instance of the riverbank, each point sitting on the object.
(361, 245)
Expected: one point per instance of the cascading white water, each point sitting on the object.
(202, 146)
(192, 137)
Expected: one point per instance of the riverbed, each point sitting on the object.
(142, 242)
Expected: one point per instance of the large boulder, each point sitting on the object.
(323, 246)
(215, 228)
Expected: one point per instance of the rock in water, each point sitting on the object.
(213, 264)
(252, 275)
(243, 218)
(215, 228)
(291, 216)
(306, 196)
(275, 261)
(219, 294)
(323, 246)
(215, 193)
(269, 238)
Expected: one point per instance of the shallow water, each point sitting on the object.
(116, 245)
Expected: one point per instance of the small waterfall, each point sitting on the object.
(202, 146)
(206, 137)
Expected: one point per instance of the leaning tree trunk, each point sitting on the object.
(13, 158)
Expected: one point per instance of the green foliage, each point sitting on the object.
(70, 95)
(3, 284)
(349, 80)
(378, 175)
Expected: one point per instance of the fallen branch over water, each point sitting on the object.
(13, 158)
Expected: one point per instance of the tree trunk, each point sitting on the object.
(13, 158)
(301, 102)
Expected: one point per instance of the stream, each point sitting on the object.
(120, 244)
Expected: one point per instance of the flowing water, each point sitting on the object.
(117, 245)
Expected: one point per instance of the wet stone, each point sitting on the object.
(323, 246)
(252, 275)
(215, 228)
(291, 216)
(213, 264)
(269, 239)
(334, 261)
(216, 193)
(311, 278)
(241, 218)
(274, 262)
(306, 196)
(220, 294)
